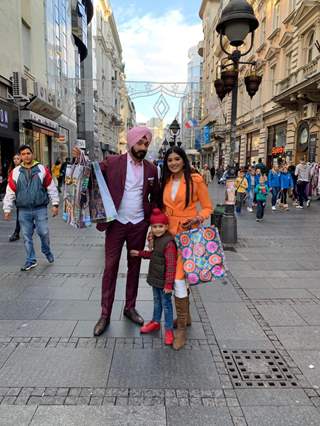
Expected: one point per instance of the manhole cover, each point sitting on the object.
(258, 368)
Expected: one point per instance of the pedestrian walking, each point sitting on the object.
(250, 176)
(294, 193)
(241, 187)
(16, 233)
(274, 184)
(134, 188)
(31, 185)
(286, 184)
(303, 177)
(213, 172)
(161, 274)
(262, 191)
(62, 175)
(182, 191)
(205, 173)
(56, 172)
(261, 166)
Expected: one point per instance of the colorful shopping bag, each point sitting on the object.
(101, 205)
(202, 253)
(76, 195)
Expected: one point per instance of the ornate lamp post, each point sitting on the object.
(236, 22)
(165, 143)
(174, 130)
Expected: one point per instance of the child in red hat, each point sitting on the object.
(161, 275)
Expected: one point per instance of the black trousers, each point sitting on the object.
(260, 209)
(301, 186)
(284, 193)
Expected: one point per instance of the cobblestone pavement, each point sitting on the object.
(252, 358)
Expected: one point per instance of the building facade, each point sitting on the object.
(281, 122)
(190, 106)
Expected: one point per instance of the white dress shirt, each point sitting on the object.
(131, 207)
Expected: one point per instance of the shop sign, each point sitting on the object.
(278, 150)
(40, 120)
(4, 118)
(81, 143)
(61, 138)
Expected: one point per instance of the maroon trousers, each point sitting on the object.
(117, 234)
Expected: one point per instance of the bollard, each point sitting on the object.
(229, 232)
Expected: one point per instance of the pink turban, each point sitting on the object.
(136, 134)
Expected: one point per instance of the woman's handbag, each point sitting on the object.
(76, 194)
(101, 205)
(202, 253)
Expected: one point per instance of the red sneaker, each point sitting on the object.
(150, 327)
(168, 337)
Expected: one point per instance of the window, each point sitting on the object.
(273, 80)
(311, 47)
(26, 44)
(288, 64)
(263, 31)
(276, 15)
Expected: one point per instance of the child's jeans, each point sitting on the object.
(275, 193)
(162, 302)
(260, 209)
(239, 201)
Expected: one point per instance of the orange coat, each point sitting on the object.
(178, 213)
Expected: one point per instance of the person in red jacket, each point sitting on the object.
(161, 275)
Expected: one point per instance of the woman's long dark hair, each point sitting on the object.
(186, 171)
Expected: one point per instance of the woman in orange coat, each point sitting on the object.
(182, 190)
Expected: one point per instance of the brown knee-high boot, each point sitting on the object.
(189, 320)
(182, 314)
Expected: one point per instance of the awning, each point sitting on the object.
(42, 124)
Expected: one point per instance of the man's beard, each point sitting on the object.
(139, 155)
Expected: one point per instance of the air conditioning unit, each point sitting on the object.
(40, 91)
(19, 86)
(310, 111)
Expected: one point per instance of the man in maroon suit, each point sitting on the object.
(133, 184)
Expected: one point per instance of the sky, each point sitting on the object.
(155, 37)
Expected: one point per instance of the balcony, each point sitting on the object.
(311, 68)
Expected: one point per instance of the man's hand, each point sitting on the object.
(76, 152)
(134, 253)
(7, 215)
(55, 211)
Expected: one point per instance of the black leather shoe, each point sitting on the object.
(100, 327)
(133, 316)
(14, 237)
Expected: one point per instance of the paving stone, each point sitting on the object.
(304, 359)
(310, 313)
(116, 329)
(217, 292)
(56, 293)
(204, 416)
(22, 310)
(5, 354)
(141, 369)
(53, 367)
(280, 315)
(78, 310)
(16, 416)
(282, 416)
(278, 397)
(235, 327)
(99, 416)
(33, 328)
(271, 293)
(307, 338)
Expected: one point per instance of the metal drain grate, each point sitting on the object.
(230, 248)
(258, 368)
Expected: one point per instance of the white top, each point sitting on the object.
(131, 207)
(174, 189)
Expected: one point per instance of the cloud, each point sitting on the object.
(155, 48)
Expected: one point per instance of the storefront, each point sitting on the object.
(277, 138)
(42, 134)
(252, 148)
(307, 141)
(9, 138)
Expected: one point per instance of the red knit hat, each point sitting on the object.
(157, 218)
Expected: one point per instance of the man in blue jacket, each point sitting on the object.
(286, 183)
(274, 184)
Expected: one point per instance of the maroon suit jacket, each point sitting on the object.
(114, 170)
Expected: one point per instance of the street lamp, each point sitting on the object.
(236, 22)
(174, 130)
(165, 143)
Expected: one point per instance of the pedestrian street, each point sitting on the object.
(253, 351)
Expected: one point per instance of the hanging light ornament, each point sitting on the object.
(252, 82)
